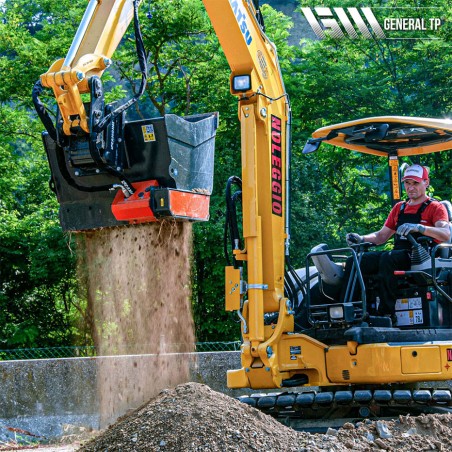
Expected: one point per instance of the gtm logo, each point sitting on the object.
(326, 20)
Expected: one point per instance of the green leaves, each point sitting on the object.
(37, 269)
(24, 335)
(333, 192)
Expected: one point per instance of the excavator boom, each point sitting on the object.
(93, 151)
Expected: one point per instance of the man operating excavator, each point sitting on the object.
(419, 216)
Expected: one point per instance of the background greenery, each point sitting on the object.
(333, 191)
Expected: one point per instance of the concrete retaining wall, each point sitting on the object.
(48, 397)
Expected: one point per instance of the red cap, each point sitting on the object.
(415, 172)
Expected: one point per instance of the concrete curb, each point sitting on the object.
(48, 397)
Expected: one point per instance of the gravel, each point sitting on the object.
(193, 417)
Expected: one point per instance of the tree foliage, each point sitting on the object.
(336, 80)
(333, 191)
(39, 305)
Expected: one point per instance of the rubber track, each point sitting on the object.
(318, 410)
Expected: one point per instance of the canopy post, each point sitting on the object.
(394, 178)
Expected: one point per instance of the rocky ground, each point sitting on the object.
(193, 417)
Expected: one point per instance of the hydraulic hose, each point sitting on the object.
(42, 111)
(141, 54)
(231, 228)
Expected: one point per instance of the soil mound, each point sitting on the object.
(193, 417)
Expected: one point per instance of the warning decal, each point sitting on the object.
(412, 317)
(148, 133)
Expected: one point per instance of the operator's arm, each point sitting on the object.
(440, 225)
(379, 237)
(439, 232)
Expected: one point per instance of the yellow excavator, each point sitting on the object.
(326, 356)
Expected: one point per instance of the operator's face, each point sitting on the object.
(415, 190)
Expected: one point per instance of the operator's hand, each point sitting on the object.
(352, 238)
(406, 228)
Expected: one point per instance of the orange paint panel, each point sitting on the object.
(190, 205)
(135, 208)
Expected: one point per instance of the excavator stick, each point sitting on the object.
(147, 170)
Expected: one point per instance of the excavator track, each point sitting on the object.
(315, 411)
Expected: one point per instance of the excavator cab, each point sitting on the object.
(339, 314)
(347, 359)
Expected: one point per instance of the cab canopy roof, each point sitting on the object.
(386, 136)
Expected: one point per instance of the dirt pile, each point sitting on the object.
(192, 417)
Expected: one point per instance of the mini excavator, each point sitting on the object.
(345, 359)
(327, 357)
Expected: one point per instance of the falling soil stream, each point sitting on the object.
(138, 284)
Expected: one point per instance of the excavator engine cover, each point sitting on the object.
(168, 161)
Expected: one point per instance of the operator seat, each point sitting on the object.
(330, 272)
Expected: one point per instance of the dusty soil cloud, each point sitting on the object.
(138, 284)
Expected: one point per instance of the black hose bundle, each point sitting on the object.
(141, 54)
(231, 227)
(42, 111)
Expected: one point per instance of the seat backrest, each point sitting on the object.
(448, 206)
(447, 252)
(330, 272)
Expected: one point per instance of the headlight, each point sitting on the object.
(337, 312)
(342, 313)
(241, 82)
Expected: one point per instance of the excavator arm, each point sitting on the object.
(92, 150)
(264, 114)
(101, 29)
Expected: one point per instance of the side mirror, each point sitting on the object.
(314, 143)
(311, 146)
